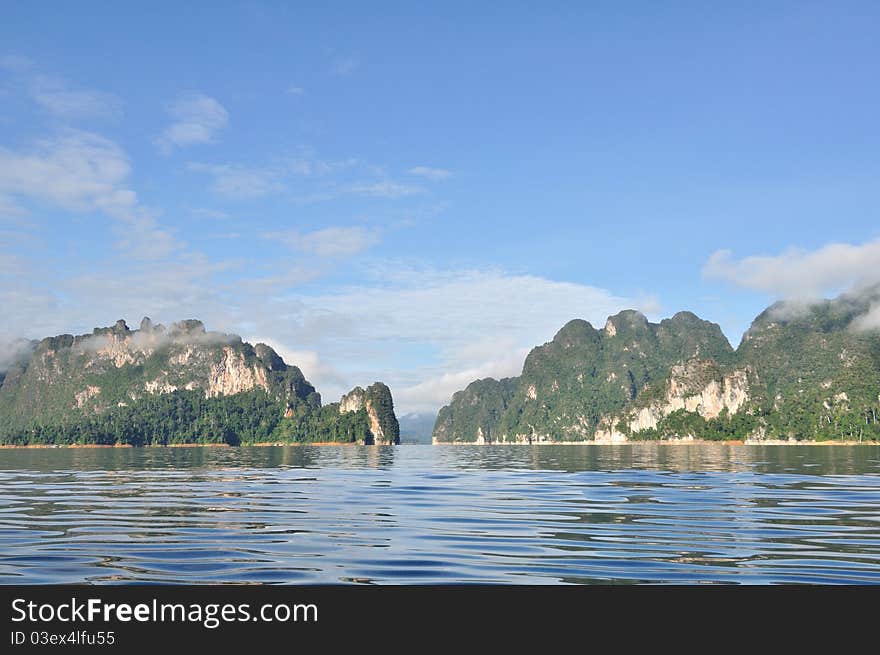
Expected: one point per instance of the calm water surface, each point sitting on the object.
(422, 514)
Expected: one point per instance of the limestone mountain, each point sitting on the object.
(376, 401)
(817, 367)
(475, 412)
(802, 372)
(168, 385)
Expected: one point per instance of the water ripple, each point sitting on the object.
(590, 514)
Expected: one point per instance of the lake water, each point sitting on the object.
(421, 514)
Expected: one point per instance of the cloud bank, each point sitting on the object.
(83, 172)
(800, 274)
(240, 182)
(465, 325)
(430, 173)
(197, 119)
(57, 96)
(802, 277)
(74, 170)
(328, 242)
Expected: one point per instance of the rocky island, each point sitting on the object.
(802, 372)
(176, 385)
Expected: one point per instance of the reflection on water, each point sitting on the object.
(421, 514)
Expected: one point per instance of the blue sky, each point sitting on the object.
(420, 195)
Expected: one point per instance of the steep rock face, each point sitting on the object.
(696, 386)
(233, 375)
(376, 401)
(354, 401)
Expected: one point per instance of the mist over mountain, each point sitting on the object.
(180, 384)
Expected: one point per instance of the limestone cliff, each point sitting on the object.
(180, 383)
(806, 371)
(696, 386)
(376, 401)
(570, 384)
(116, 365)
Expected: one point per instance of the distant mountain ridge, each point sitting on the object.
(417, 428)
(803, 372)
(180, 384)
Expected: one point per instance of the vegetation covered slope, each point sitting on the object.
(802, 372)
(156, 385)
(360, 412)
(818, 369)
(475, 412)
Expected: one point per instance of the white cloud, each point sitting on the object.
(474, 323)
(294, 90)
(234, 181)
(35, 309)
(385, 189)
(17, 64)
(8, 208)
(197, 119)
(329, 242)
(85, 172)
(870, 320)
(329, 167)
(76, 170)
(436, 391)
(239, 181)
(172, 284)
(345, 66)
(9, 263)
(300, 166)
(797, 273)
(140, 235)
(282, 278)
(207, 212)
(426, 333)
(173, 288)
(11, 350)
(57, 96)
(430, 173)
(328, 179)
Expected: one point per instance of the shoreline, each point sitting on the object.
(668, 442)
(471, 444)
(261, 444)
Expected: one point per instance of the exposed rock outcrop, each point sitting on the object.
(721, 393)
(233, 374)
(376, 401)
